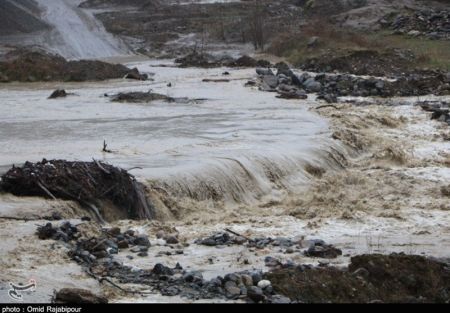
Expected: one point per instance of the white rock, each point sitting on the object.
(264, 284)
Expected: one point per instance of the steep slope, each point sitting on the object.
(19, 17)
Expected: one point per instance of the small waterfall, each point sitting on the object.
(245, 180)
(76, 33)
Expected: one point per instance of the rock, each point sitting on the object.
(142, 240)
(232, 289)
(255, 294)
(322, 250)
(193, 277)
(234, 278)
(160, 234)
(245, 61)
(264, 284)
(277, 299)
(289, 251)
(115, 231)
(142, 254)
(74, 295)
(123, 244)
(414, 33)
(293, 93)
(160, 269)
(270, 80)
(215, 240)
(141, 97)
(271, 262)
(257, 277)
(250, 83)
(447, 77)
(58, 93)
(329, 98)
(100, 254)
(313, 41)
(135, 249)
(264, 72)
(268, 290)
(312, 85)
(239, 240)
(362, 272)
(134, 74)
(247, 280)
(172, 240)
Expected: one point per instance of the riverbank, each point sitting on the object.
(366, 177)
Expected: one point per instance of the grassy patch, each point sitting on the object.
(293, 44)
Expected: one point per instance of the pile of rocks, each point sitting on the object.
(315, 248)
(97, 256)
(331, 86)
(221, 239)
(113, 240)
(65, 232)
(429, 23)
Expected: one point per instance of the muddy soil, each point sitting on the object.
(376, 278)
(391, 63)
(29, 66)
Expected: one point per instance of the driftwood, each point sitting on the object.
(211, 80)
(102, 279)
(237, 234)
(327, 106)
(105, 147)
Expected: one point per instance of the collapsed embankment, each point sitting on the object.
(33, 66)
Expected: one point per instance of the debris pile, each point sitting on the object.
(66, 232)
(88, 183)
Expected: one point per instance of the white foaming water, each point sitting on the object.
(77, 34)
(238, 145)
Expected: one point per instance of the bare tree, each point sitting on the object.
(257, 25)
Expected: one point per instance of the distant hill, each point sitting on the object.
(108, 3)
(19, 17)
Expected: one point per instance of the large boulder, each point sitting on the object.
(271, 81)
(312, 85)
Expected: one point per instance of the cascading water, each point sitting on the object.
(238, 146)
(76, 33)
